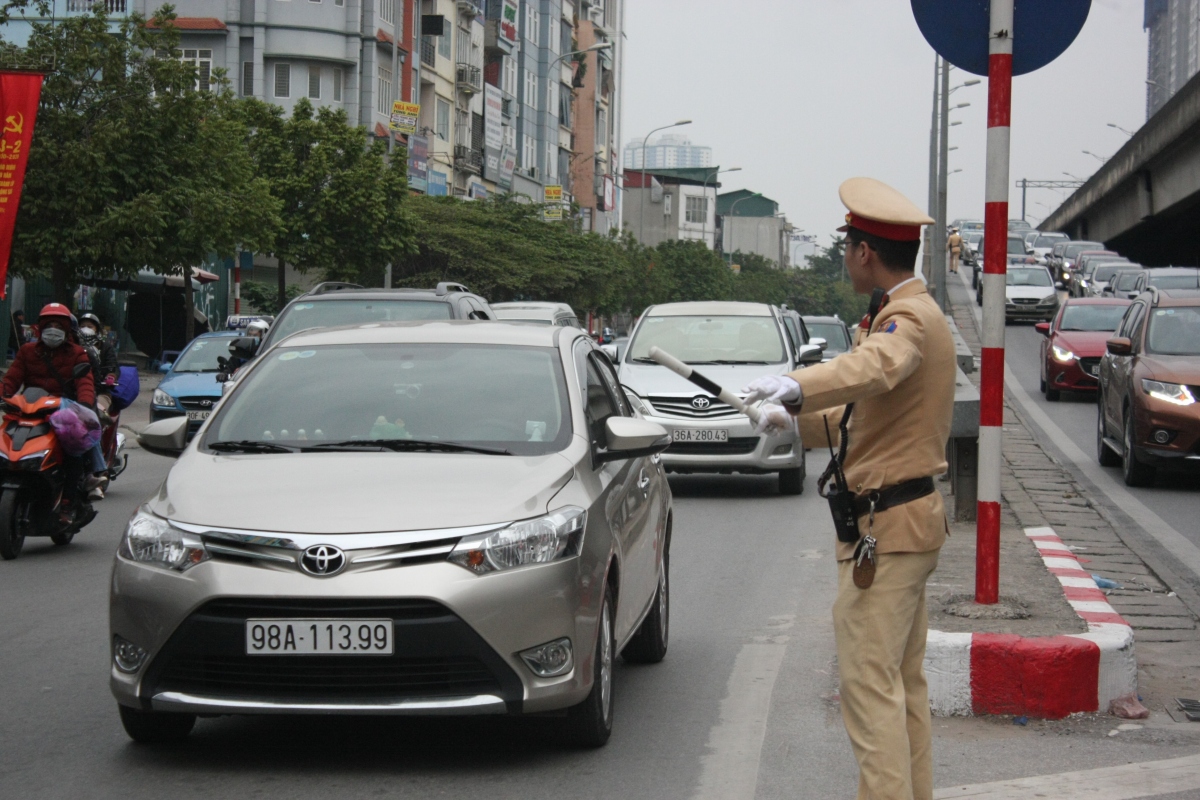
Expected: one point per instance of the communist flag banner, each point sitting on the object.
(19, 95)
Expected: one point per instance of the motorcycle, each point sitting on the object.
(39, 494)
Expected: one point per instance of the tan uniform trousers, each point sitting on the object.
(954, 261)
(880, 635)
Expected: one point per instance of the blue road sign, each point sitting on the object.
(1042, 30)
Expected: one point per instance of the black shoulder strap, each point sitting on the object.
(872, 312)
(68, 387)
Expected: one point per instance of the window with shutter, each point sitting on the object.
(338, 77)
(314, 82)
(283, 80)
(247, 78)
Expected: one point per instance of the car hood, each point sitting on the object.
(1036, 292)
(191, 384)
(1172, 369)
(651, 379)
(358, 492)
(1085, 344)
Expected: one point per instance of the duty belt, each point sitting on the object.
(893, 496)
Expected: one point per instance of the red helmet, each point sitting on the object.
(55, 310)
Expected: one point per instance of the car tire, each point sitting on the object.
(791, 481)
(589, 724)
(1052, 395)
(1104, 454)
(156, 727)
(11, 537)
(649, 644)
(1135, 472)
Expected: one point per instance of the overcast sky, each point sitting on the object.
(803, 94)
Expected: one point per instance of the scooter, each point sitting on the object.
(39, 495)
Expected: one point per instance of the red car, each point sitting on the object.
(1074, 342)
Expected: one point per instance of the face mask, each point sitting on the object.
(87, 331)
(53, 337)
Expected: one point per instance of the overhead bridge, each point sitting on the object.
(1145, 201)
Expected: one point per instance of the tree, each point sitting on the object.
(829, 263)
(262, 297)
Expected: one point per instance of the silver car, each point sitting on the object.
(440, 518)
(731, 344)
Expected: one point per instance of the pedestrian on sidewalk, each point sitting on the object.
(954, 244)
(899, 384)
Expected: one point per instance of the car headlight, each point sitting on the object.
(533, 541)
(161, 398)
(150, 539)
(1175, 393)
(1049, 300)
(639, 405)
(1083, 282)
(1062, 354)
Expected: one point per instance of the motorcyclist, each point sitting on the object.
(107, 370)
(256, 329)
(49, 364)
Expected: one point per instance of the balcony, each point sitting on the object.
(428, 52)
(83, 6)
(469, 8)
(468, 159)
(468, 78)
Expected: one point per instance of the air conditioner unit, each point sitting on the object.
(532, 172)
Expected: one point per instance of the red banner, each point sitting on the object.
(19, 95)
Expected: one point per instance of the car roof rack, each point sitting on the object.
(331, 286)
(446, 287)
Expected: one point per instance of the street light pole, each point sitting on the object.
(927, 261)
(939, 232)
(704, 224)
(642, 208)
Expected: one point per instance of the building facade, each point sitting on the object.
(666, 204)
(1173, 51)
(668, 151)
(751, 223)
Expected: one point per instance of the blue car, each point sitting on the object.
(190, 384)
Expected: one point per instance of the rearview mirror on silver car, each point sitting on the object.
(167, 437)
(810, 354)
(610, 351)
(631, 438)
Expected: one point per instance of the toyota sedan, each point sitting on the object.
(439, 518)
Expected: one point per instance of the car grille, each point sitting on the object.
(199, 403)
(739, 445)
(436, 655)
(683, 407)
(1025, 301)
(1091, 366)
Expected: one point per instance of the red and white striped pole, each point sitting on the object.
(995, 265)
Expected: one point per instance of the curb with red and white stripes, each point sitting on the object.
(1045, 676)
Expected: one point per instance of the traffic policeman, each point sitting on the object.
(954, 244)
(899, 386)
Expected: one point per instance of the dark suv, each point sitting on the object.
(1149, 383)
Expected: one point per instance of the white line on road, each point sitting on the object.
(1174, 542)
(730, 770)
(1127, 782)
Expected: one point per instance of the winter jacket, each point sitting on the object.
(29, 369)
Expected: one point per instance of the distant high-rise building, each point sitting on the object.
(669, 151)
(1174, 48)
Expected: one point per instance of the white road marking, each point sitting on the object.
(1127, 782)
(1174, 542)
(730, 770)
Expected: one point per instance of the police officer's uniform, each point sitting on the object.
(900, 378)
(954, 244)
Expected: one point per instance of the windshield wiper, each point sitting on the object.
(248, 446)
(729, 361)
(408, 446)
(643, 360)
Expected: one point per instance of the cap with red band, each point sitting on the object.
(880, 210)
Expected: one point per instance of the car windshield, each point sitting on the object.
(974, 238)
(1185, 281)
(1016, 246)
(1126, 281)
(404, 396)
(1174, 331)
(1047, 241)
(710, 339)
(1075, 249)
(834, 333)
(1106, 273)
(1089, 266)
(1028, 277)
(353, 311)
(1091, 318)
(202, 355)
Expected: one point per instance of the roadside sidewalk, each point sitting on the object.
(1039, 492)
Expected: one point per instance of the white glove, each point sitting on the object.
(773, 389)
(772, 419)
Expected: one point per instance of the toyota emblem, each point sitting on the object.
(700, 402)
(323, 560)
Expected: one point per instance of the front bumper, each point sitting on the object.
(745, 451)
(1073, 376)
(1181, 422)
(457, 637)
(1030, 312)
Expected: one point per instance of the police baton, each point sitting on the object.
(687, 373)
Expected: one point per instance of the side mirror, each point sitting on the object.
(810, 354)
(819, 342)
(632, 438)
(610, 350)
(1119, 346)
(1043, 328)
(166, 367)
(1059, 285)
(244, 347)
(167, 437)
(227, 386)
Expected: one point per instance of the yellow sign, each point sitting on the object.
(404, 117)
(552, 197)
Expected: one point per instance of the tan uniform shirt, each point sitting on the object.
(954, 243)
(901, 379)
